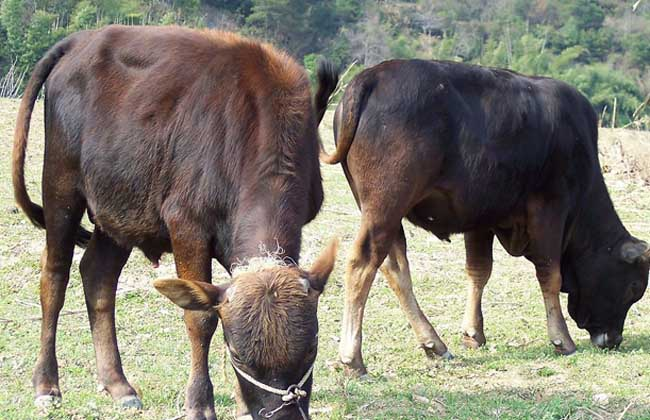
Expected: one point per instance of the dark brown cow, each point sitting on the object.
(200, 142)
(457, 148)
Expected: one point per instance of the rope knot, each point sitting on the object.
(294, 393)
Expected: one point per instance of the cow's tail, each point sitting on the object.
(349, 112)
(328, 78)
(41, 71)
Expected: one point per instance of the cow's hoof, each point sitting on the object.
(432, 353)
(207, 414)
(355, 370)
(130, 401)
(473, 340)
(47, 402)
(562, 349)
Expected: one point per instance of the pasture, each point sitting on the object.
(516, 376)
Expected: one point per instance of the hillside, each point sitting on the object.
(599, 46)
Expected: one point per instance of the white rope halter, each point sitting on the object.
(290, 396)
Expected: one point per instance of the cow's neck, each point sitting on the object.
(596, 224)
(267, 231)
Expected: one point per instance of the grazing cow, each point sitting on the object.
(459, 148)
(200, 142)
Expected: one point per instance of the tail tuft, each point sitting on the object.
(328, 78)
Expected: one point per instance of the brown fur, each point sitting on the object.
(202, 142)
(266, 314)
(269, 323)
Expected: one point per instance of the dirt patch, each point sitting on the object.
(626, 153)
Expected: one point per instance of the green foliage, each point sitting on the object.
(14, 17)
(84, 15)
(638, 46)
(310, 61)
(299, 26)
(601, 85)
(588, 14)
(4, 54)
(402, 47)
(598, 45)
(39, 37)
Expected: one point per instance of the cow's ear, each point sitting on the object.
(191, 294)
(633, 251)
(322, 268)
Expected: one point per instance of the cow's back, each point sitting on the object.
(481, 140)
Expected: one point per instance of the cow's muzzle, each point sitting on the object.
(606, 340)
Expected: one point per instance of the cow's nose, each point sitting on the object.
(607, 340)
(599, 340)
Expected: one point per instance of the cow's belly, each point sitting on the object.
(126, 211)
(437, 215)
(445, 213)
(512, 233)
(151, 238)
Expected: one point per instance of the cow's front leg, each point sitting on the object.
(478, 264)
(550, 281)
(199, 398)
(546, 220)
(193, 262)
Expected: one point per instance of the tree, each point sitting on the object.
(84, 16)
(39, 37)
(14, 17)
(638, 47)
(369, 40)
(601, 85)
(298, 26)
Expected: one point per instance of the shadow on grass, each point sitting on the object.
(635, 342)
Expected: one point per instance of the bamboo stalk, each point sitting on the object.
(341, 86)
(637, 111)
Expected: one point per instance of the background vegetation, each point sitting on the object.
(600, 46)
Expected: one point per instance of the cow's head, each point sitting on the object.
(603, 285)
(270, 329)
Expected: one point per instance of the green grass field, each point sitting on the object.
(516, 376)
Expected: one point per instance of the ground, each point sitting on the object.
(516, 376)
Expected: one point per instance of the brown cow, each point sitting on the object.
(200, 142)
(488, 152)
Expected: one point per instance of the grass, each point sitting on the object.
(516, 376)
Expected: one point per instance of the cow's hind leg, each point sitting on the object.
(478, 264)
(64, 208)
(100, 269)
(368, 252)
(396, 270)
